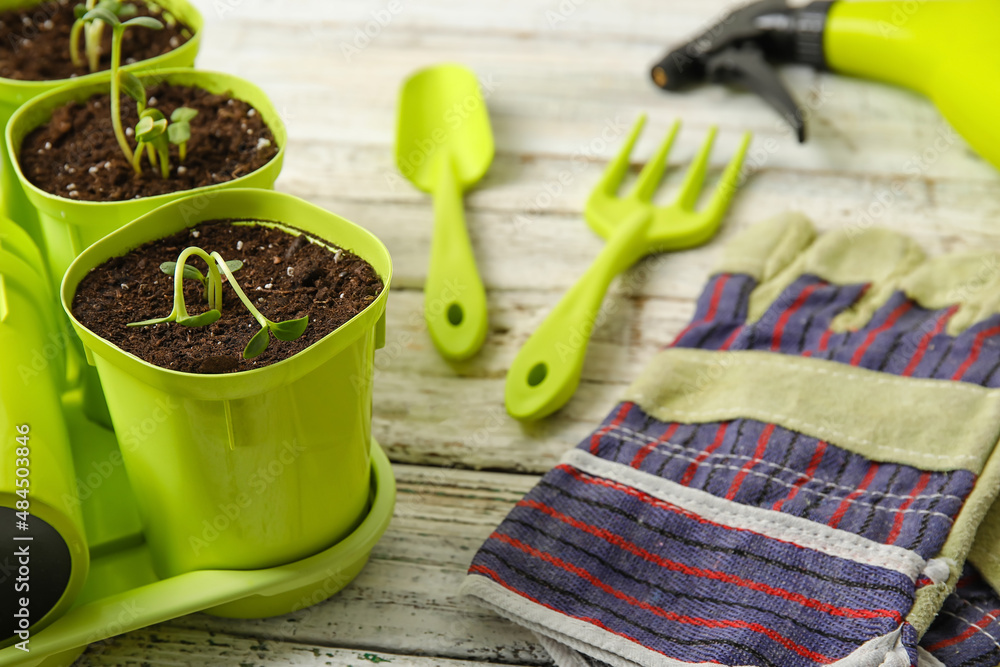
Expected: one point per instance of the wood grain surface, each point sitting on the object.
(564, 80)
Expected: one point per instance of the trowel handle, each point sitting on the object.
(454, 296)
(546, 371)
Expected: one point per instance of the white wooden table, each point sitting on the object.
(560, 74)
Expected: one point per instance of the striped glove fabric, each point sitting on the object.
(796, 481)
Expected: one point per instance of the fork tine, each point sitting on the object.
(615, 171)
(695, 177)
(649, 177)
(726, 188)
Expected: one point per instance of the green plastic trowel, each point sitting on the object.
(444, 145)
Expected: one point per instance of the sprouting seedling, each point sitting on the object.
(132, 86)
(213, 288)
(180, 129)
(100, 13)
(151, 133)
(191, 273)
(93, 31)
(287, 330)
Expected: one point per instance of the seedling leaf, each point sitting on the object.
(133, 87)
(153, 113)
(147, 129)
(190, 272)
(257, 344)
(206, 318)
(178, 133)
(127, 10)
(102, 14)
(79, 11)
(183, 115)
(290, 329)
(145, 22)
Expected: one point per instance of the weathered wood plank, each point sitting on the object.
(175, 647)
(546, 94)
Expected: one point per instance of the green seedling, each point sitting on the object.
(287, 330)
(179, 130)
(93, 32)
(213, 294)
(151, 133)
(132, 86)
(191, 273)
(102, 14)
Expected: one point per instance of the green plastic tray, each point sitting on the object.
(122, 592)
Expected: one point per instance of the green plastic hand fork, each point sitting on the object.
(443, 145)
(547, 369)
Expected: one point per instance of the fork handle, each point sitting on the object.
(546, 371)
(454, 296)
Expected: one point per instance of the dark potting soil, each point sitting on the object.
(34, 42)
(76, 155)
(285, 276)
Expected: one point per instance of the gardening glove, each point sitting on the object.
(785, 485)
(966, 631)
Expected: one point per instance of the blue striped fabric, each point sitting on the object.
(679, 584)
(768, 466)
(914, 343)
(650, 573)
(966, 632)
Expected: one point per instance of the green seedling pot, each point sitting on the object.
(68, 225)
(251, 469)
(37, 473)
(48, 353)
(14, 93)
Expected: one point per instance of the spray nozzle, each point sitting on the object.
(742, 47)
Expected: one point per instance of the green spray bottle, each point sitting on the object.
(943, 49)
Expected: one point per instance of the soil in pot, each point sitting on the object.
(34, 42)
(286, 277)
(75, 155)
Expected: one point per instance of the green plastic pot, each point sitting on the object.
(122, 579)
(251, 469)
(41, 467)
(69, 225)
(14, 93)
